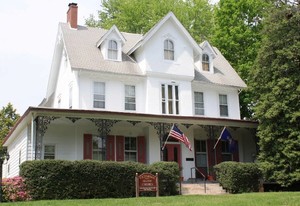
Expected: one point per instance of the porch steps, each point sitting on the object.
(197, 188)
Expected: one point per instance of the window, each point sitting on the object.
(112, 50)
(226, 154)
(201, 156)
(99, 95)
(129, 97)
(205, 62)
(168, 50)
(199, 103)
(223, 105)
(49, 152)
(170, 99)
(99, 148)
(130, 149)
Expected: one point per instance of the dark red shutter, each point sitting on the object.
(120, 144)
(210, 152)
(235, 155)
(110, 148)
(141, 149)
(218, 151)
(87, 146)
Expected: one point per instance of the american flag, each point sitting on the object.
(177, 134)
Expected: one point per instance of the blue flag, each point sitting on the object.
(226, 136)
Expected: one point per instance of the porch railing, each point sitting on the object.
(204, 177)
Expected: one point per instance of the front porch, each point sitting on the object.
(116, 136)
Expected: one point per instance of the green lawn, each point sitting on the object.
(250, 199)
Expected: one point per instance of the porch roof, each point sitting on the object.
(33, 112)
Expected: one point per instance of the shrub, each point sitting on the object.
(14, 189)
(58, 179)
(238, 177)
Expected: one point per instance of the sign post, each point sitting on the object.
(146, 182)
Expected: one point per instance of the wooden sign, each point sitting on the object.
(146, 182)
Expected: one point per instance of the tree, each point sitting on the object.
(8, 117)
(139, 16)
(237, 35)
(276, 87)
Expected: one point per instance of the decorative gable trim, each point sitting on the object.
(105, 36)
(153, 30)
(209, 49)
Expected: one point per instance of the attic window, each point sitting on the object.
(205, 62)
(112, 50)
(169, 49)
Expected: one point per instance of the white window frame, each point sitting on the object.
(223, 105)
(101, 141)
(170, 105)
(112, 50)
(169, 50)
(205, 62)
(100, 93)
(130, 97)
(196, 103)
(44, 149)
(203, 153)
(130, 151)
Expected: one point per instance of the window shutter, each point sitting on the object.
(218, 151)
(120, 144)
(110, 148)
(210, 152)
(87, 146)
(235, 155)
(141, 149)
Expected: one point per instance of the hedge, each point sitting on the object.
(60, 179)
(238, 177)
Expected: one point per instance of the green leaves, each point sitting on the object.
(8, 117)
(275, 85)
(137, 16)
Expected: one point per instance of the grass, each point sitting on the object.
(249, 199)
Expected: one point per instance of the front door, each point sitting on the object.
(172, 153)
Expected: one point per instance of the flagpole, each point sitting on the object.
(163, 147)
(219, 137)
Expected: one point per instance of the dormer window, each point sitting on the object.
(168, 49)
(112, 50)
(205, 62)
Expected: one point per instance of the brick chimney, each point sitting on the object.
(72, 15)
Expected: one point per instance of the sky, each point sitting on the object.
(27, 39)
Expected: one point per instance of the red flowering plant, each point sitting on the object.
(14, 189)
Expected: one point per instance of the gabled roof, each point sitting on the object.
(206, 44)
(112, 29)
(153, 30)
(223, 74)
(83, 53)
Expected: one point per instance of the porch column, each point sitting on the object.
(42, 123)
(161, 129)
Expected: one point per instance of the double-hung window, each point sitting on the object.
(201, 155)
(99, 95)
(129, 97)
(112, 50)
(99, 148)
(205, 62)
(223, 105)
(168, 49)
(170, 99)
(49, 152)
(199, 103)
(130, 149)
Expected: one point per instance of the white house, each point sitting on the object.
(114, 96)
